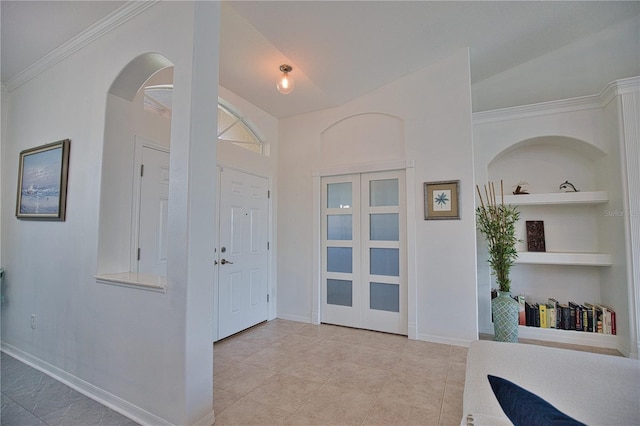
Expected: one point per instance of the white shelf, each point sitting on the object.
(569, 336)
(550, 258)
(594, 197)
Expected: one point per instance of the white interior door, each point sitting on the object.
(242, 252)
(363, 223)
(151, 253)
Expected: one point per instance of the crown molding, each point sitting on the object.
(88, 36)
(620, 87)
(611, 90)
(533, 110)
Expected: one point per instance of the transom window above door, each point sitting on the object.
(232, 126)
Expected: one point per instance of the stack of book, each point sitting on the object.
(587, 317)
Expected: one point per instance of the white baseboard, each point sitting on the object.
(105, 398)
(444, 340)
(207, 420)
(298, 318)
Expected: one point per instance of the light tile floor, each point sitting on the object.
(31, 398)
(288, 373)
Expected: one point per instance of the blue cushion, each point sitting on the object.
(525, 408)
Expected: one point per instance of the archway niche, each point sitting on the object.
(129, 125)
(545, 162)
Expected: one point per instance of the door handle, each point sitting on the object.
(225, 261)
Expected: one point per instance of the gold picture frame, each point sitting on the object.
(441, 200)
(42, 182)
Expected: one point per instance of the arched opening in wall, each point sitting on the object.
(135, 175)
(542, 164)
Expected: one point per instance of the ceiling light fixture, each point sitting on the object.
(285, 82)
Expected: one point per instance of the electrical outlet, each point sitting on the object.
(33, 321)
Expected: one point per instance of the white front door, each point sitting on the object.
(153, 209)
(242, 252)
(364, 282)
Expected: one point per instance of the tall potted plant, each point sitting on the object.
(497, 223)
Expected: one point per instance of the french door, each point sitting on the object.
(364, 282)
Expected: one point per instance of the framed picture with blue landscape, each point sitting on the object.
(441, 200)
(42, 182)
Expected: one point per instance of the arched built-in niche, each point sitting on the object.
(127, 124)
(545, 162)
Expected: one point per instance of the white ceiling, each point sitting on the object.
(521, 51)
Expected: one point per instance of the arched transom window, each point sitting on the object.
(232, 127)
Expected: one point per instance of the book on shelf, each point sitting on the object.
(565, 316)
(522, 318)
(551, 316)
(586, 317)
(558, 311)
(542, 310)
(577, 312)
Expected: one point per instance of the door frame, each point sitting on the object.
(271, 268)
(408, 166)
(139, 144)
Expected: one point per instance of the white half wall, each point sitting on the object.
(151, 350)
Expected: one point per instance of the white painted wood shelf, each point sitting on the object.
(559, 198)
(551, 258)
(569, 336)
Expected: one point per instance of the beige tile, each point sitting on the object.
(449, 420)
(452, 403)
(420, 368)
(386, 341)
(223, 399)
(242, 378)
(272, 357)
(392, 413)
(428, 349)
(285, 326)
(247, 411)
(222, 363)
(456, 374)
(356, 377)
(330, 349)
(374, 357)
(235, 349)
(284, 391)
(336, 405)
(458, 354)
(295, 343)
(311, 367)
(426, 394)
(299, 420)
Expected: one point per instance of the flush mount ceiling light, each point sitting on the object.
(285, 82)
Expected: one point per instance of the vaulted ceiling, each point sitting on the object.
(521, 51)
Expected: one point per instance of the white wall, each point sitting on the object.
(435, 105)
(148, 354)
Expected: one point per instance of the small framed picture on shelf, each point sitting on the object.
(535, 235)
(42, 182)
(441, 200)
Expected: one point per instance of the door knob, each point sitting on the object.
(225, 261)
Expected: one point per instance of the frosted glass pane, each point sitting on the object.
(384, 227)
(384, 297)
(339, 227)
(383, 192)
(385, 261)
(339, 195)
(339, 292)
(339, 259)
